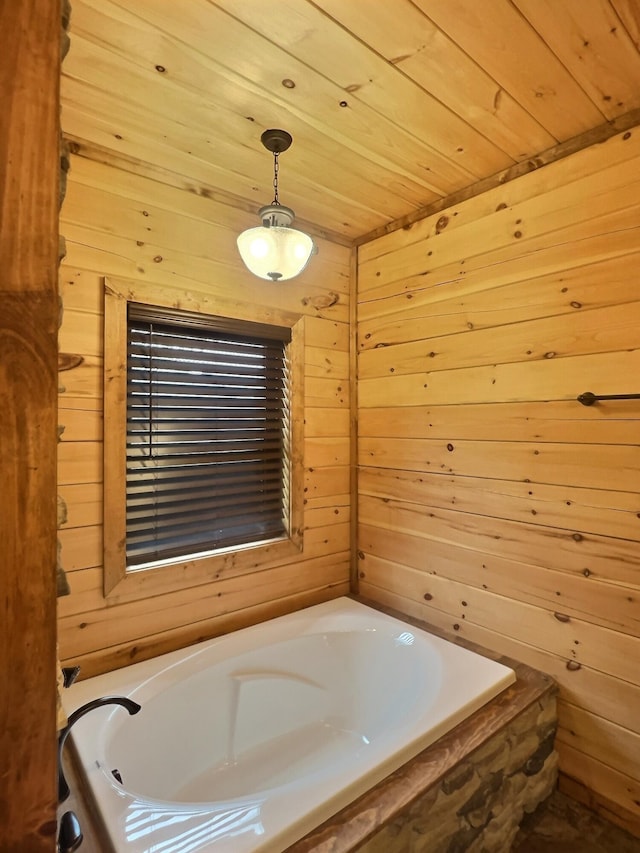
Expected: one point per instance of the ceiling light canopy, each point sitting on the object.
(274, 250)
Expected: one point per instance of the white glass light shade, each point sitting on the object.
(273, 250)
(275, 253)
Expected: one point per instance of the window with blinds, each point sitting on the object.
(207, 434)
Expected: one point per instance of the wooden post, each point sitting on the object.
(29, 167)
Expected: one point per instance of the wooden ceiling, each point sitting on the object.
(392, 105)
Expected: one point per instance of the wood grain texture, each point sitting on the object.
(490, 501)
(439, 570)
(595, 59)
(560, 295)
(414, 44)
(532, 71)
(28, 360)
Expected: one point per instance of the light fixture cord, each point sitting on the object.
(276, 169)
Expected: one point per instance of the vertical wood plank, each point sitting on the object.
(353, 418)
(115, 436)
(29, 81)
(296, 368)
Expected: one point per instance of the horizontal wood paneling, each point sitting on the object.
(542, 380)
(564, 507)
(591, 597)
(573, 552)
(559, 295)
(550, 462)
(600, 739)
(608, 329)
(542, 421)
(114, 223)
(490, 501)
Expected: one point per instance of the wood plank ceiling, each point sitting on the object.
(392, 106)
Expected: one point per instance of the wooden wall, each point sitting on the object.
(29, 182)
(490, 502)
(175, 233)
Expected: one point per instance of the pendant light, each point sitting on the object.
(274, 250)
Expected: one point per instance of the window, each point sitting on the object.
(206, 435)
(201, 435)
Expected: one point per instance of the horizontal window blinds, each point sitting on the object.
(206, 426)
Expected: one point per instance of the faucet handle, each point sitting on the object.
(70, 835)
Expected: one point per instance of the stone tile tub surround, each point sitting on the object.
(468, 792)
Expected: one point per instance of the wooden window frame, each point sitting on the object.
(123, 585)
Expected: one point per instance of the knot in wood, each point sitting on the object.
(441, 224)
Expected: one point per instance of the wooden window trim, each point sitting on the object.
(120, 585)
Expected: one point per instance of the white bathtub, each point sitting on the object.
(249, 741)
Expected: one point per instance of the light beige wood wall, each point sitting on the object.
(124, 225)
(491, 503)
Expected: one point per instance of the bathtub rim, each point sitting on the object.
(387, 799)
